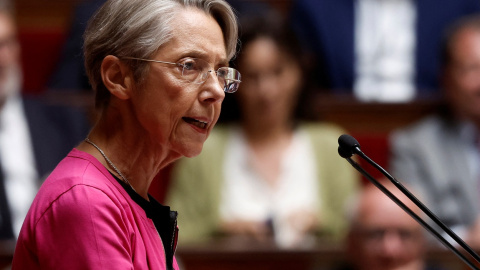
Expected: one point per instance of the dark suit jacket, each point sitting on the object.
(430, 156)
(326, 27)
(54, 131)
(70, 74)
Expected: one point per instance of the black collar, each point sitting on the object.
(165, 221)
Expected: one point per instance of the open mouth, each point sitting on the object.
(195, 122)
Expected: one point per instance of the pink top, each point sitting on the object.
(82, 218)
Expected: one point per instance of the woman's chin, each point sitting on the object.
(192, 151)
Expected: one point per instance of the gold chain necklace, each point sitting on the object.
(124, 179)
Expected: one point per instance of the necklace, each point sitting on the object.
(124, 179)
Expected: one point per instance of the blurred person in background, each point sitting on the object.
(376, 50)
(265, 174)
(440, 155)
(381, 235)
(34, 136)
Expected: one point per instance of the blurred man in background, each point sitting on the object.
(34, 137)
(382, 236)
(440, 155)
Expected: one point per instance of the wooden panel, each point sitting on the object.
(228, 255)
(371, 118)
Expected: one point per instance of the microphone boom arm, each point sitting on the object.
(411, 213)
(427, 211)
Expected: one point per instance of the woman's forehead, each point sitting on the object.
(196, 33)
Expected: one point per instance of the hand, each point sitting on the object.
(297, 229)
(303, 221)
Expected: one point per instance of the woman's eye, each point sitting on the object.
(222, 72)
(189, 64)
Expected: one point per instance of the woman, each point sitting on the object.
(159, 69)
(269, 172)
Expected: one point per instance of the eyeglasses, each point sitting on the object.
(196, 70)
(374, 236)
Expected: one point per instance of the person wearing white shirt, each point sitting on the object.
(385, 50)
(33, 136)
(376, 50)
(439, 155)
(270, 175)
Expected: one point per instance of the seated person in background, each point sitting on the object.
(377, 50)
(34, 137)
(268, 173)
(381, 235)
(440, 155)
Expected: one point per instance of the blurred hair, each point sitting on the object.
(6, 6)
(471, 22)
(137, 29)
(272, 25)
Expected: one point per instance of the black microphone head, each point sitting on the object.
(343, 153)
(347, 145)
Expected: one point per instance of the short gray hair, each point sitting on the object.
(137, 29)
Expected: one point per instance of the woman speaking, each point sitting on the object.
(160, 71)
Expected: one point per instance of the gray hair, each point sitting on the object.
(137, 29)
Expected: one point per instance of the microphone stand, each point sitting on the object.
(427, 211)
(409, 211)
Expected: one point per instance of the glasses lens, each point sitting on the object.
(231, 87)
(194, 70)
(230, 78)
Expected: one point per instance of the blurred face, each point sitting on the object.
(462, 76)
(386, 238)
(270, 82)
(177, 113)
(9, 51)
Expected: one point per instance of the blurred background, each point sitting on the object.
(44, 28)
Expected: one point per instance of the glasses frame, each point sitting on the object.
(203, 76)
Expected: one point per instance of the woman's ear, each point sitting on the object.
(116, 77)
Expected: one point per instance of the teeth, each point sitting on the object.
(201, 125)
(195, 122)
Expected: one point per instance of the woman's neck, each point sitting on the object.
(139, 161)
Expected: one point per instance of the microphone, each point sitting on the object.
(348, 146)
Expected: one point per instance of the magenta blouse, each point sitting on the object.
(83, 218)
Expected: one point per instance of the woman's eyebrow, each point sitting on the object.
(203, 55)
